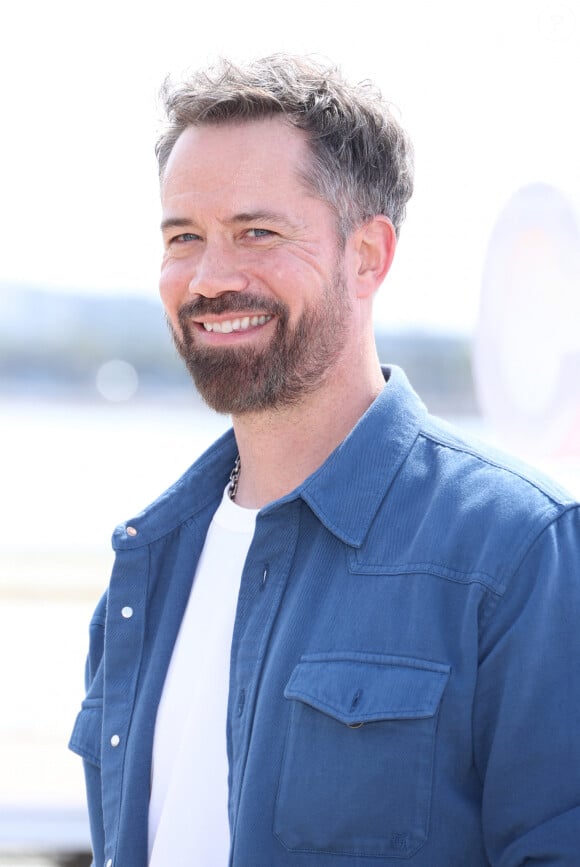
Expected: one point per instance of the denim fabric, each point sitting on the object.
(405, 669)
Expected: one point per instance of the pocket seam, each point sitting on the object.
(426, 704)
(365, 844)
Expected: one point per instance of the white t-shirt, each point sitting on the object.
(188, 818)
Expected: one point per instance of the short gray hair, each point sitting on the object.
(362, 159)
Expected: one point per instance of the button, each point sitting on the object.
(109, 863)
(131, 531)
(115, 741)
(127, 612)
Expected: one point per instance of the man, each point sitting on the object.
(347, 636)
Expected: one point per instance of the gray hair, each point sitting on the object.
(362, 159)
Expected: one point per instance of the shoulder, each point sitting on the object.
(467, 511)
(199, 488)
(484, 475)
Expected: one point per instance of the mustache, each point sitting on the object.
(231, 302)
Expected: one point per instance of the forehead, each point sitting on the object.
(266, 153)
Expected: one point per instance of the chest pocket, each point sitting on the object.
(356, 776)
(85, 740)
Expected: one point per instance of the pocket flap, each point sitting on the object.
(85, 740)
(359, 687)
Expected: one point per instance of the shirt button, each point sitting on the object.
(127, 612)
(115, 741)
(131, 531)
(109, 863)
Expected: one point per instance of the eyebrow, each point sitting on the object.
(174, 223)
(260, 216)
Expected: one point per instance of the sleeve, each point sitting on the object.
(86, 736)
(527, 707)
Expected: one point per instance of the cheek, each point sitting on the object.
(295, 282)
(173, 284)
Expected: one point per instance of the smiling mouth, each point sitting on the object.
(226, 326)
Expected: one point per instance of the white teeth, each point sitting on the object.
(229, 325)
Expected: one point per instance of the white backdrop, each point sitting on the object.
(488, 91)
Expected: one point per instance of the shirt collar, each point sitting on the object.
(348, 489)
(344, 493)
(198, 491)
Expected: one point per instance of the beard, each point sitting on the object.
(295, 362)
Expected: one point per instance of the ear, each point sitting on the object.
(375, 245)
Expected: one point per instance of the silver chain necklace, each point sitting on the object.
(234, 479)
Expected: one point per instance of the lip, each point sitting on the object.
(233, 326)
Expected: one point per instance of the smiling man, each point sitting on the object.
(252, 274)
(347, 635)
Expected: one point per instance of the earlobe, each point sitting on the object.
(376, 243)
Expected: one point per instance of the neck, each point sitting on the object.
(280, 448)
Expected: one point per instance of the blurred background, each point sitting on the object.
(97, 417)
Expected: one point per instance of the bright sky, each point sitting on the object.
(488, 91)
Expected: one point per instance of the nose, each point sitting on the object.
(216, 271)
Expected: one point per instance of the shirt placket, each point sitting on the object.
(123, 650)
(264, 579)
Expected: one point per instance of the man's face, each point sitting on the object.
(252, 277)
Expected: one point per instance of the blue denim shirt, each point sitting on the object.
(405, 665)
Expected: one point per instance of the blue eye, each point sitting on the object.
(259, 233)
(186, 236)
